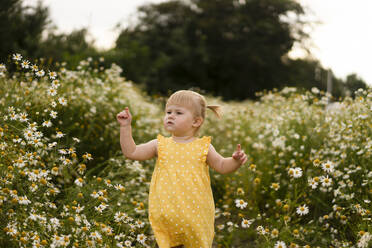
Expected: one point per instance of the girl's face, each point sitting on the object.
(180, 121)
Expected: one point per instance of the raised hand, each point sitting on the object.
(124, 117)
(239, 155)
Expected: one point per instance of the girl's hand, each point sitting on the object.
(239, 155)
(124, 118)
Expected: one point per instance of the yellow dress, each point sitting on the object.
(181, 205)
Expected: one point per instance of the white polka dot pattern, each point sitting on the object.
(181, 205)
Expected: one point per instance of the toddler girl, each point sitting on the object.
(181, 205)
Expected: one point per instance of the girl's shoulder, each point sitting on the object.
(206, 138)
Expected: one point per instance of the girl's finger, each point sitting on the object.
(245, 160)
(127, 110)
(238, 147)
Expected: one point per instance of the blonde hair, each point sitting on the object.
(195, 102)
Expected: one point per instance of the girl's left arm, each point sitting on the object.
(226, 165)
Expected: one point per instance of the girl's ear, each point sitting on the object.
(197, 122)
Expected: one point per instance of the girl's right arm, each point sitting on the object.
(128, 146)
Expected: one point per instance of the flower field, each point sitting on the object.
(65, 183)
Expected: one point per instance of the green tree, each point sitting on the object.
(21, 27)
(353, 83)
(309, 73)
(232, 48)
(71, 48)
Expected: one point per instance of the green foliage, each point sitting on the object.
(21, 28)
(53, 192)
(287, 130)
(305, 73)
(354, 83)
(71, 48)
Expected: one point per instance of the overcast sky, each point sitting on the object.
(342, 42)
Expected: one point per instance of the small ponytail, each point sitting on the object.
(216, 109)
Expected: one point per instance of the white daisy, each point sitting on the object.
(60, 134)
(23, 117)
(62, 151)
(297, 172)
(79, 182)
(47, 123)
(313, 183)
(246, 223)
(328, 167)
(275, 186)
(302, 210)
(40, 73)
(87, 156)
(2, 67)
(220, 226)
(119, 187)
(25, 64)
(23, 200)
(140, 223)
(53, 114)
(51, 145)
(55, 83)
(14, 116)
(240, 203)
(52, 92)
(326, 181)
(55, 222)
(119, 216)
(101, 207)
(95, 194)
(95, 235)
(33, 187)
(62, 101)
(17, 56)
(315, 90)
(52, 75)
(141, 238)
(127, 243)
(28, 134)
(280, 244)
(261, 230)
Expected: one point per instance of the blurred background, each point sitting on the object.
(229, 48)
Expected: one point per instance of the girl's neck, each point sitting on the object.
(183, 139)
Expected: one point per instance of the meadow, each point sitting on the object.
(65, 183)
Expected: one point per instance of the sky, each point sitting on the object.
(341, 41)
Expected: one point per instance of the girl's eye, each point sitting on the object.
(179, 113)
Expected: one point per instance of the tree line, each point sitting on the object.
(231, 48)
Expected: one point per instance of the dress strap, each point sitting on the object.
(205, 143)
(161, 143)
